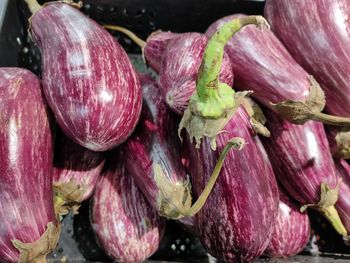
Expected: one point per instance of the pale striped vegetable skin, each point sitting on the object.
(155, 143)
(236, 222)
(127, 227)
(74, 164)
(88, 80)
(26, 199)
(291, 229)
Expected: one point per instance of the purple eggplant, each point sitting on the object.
(127, 227)
(343, 204)
(180, 68)
(262, 64)
(88, 80)
(236, 222)
(153, 145)
(28, 228)
(316, 34)
(291, 230)
(75, 172)
(303, 164)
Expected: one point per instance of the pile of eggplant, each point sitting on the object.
(229, 139)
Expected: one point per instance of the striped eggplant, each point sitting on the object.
(127, 227)
(316, 34)
(28, 228)
(75, 172)
(303, 164)
(153, 145)
(291, 230)
(343, 204)
(180, 68)
(153, 49)
(236, 223)
(88, 80)
(262, 64)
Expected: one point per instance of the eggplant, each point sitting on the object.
(343, 204)
(88, 80)
(303, 164)
(127, 227)
(29, 229)
(153, 145)
(316, 35)
(263, 65)
(75, 173)
(153, 49)
(291, 230)
(236, 222)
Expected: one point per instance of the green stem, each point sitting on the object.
(331, 119)
(236, 143)
(141, 43)
(331, 214)
(208, 77)
(33, 6)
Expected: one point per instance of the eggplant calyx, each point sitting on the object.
(199, 127)
(299, 112)
(257, 117)
(138, 41)
(67, 197)
(180, 206)
(329, 196)
(37, 250)
(343, 144)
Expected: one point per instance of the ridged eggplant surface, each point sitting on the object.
(180, 68)
(291, 230)
(155, 142)
(236, 222)
(262, 64)
(26, 203)
(76, 164)
(300, 156)
(88, 80)
(316, 33)
(127, 227)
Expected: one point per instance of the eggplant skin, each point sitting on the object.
(74, 163)
(127, 227)
(343, 203)
(155, 48)
(236, 222)
(291, 230)
(88, 80)
(26, 203)
(155, 141)
(300, 157)
(262, 64)
(317, 36)
(180, 67)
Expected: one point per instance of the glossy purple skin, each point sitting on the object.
(331, 132)
(155, 141)
(291, 230)
(343, 204)
(88, 80)
(237, 220)
(262, 64)
(155, 48)
(300, 157)
(317, 36)
(127, 227)
(26, 203)
(180, 68)
(74, 163)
